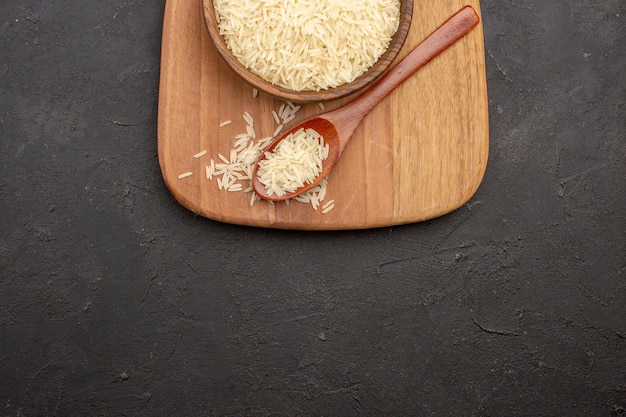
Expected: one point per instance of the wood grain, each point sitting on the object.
(421, 153)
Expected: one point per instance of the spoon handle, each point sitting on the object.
(447, 34)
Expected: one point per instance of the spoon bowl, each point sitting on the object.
(337, 126)
(332, 138)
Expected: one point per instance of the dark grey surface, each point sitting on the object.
(116, 301)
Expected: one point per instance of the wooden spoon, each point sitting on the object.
(337, 126)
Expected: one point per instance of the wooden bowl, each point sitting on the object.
(360, 83)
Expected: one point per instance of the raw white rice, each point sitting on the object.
(185, 175)
(278, 130)
(328, 206)
(307, 44)
(250, 131)
(223, 158)
(233, 174)
(248, 118)
(200, 154)
(225, 122)
(295, 162)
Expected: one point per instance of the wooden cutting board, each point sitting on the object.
(420, 154)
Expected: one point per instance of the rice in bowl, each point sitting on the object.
(307, 45)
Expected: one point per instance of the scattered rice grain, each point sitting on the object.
(328, 208)
(278, 129)
(223, 158)
(249, 120)
(289, 118)
(200, 154)
(250, 131)
(328, 204)
(234, 174)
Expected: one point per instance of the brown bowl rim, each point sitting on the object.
(360, 83)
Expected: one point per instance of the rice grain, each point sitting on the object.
(234, 174)
(296, 161)
(200, 154)
(307, 44)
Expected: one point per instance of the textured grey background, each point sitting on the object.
(116, 301)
